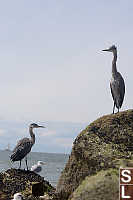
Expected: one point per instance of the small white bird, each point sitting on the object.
(17, 196)
(37, 168)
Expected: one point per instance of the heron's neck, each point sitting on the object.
(32, 135)
(114, 69)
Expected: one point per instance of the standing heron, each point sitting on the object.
(37, 168)
(117, 84)
(24, 146)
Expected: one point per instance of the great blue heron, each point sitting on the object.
(24, 146)
(117, 84)
(37, 168)
(18, 196)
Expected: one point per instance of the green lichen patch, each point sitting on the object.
(103, 186)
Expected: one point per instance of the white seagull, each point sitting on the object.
(37, 168)
(18, 196)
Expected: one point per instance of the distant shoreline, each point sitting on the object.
(8, 150)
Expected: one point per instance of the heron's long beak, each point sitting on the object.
(41, 127)
(105, 50)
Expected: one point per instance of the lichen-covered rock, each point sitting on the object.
(15, 180)
(96, 148)
(103, 186)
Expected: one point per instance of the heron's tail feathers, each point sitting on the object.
(119, 102)
(13, 157)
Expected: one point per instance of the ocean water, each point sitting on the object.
(55, 163)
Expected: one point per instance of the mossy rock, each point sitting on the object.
(103, 186)
(96, 148)
(15, 180)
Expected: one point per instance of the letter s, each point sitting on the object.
(125, 173)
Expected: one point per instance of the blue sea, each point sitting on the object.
(55, 163)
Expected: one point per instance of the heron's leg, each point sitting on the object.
(20, 164)
(26, 162)
(114, 107)
(118, 109)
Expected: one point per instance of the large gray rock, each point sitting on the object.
(96, 148)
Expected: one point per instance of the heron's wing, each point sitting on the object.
(22, 144)
(111, 87)
(122, 89)
(22, 148)
(118, 90)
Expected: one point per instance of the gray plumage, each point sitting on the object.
(24, 146)
(38, 167)
(117, 84)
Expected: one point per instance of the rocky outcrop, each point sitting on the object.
(96, 151)
(30, 184)
(103, 185)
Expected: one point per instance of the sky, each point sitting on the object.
(52, 69)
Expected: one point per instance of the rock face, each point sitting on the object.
(104, 185)
(97, 148)
(28, 183)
